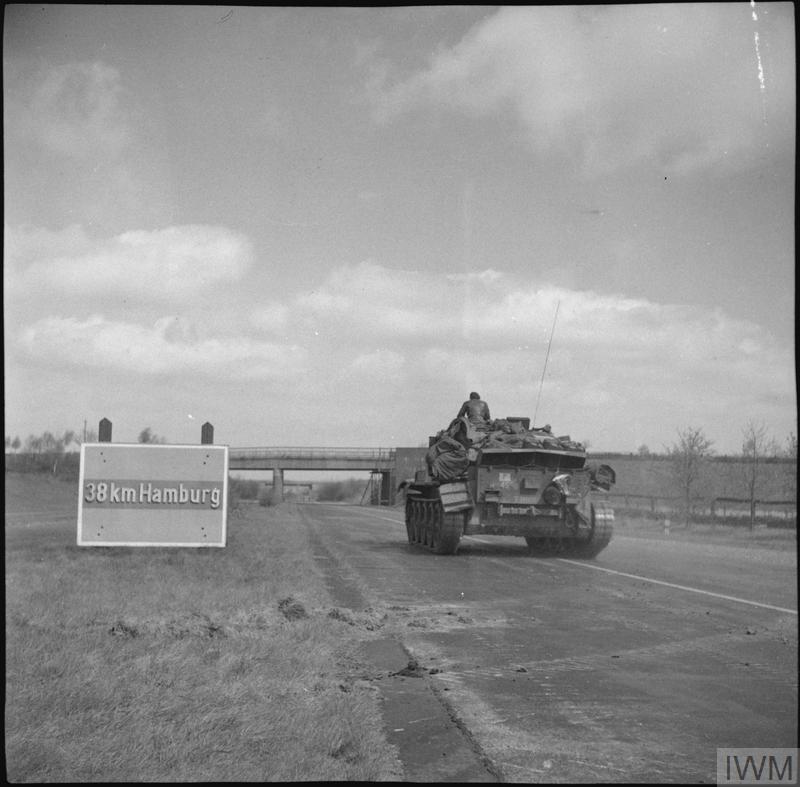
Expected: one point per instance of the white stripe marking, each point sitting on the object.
(679, 587)
(640, 578)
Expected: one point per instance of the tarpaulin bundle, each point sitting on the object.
(448, 458)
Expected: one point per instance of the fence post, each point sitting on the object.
(207, 434)
(104, 431)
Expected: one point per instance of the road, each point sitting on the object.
(631, 667)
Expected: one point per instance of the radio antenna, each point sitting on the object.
(547, 356)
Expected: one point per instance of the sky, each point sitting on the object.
(327, 226)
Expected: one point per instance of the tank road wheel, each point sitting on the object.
(430, 516)
(410, 520)
(451, 527)
(418, 521)
(429, 526)
(422, 524)
(436, 517)
(602, 530)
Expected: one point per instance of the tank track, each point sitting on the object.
(569, 546)
(429, 526)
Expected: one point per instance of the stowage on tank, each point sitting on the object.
(505, 478)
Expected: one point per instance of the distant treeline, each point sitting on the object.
(736, 458)
(718, 476)
(60, 464)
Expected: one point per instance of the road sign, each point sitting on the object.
(153, 495)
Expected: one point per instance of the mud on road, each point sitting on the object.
(496, 666)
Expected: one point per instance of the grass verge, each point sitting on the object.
(728, 534)
(147, 664)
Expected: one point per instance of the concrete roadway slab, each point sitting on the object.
(557, 672)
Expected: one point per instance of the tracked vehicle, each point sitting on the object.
(509, 480)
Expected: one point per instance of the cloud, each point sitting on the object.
(382, 364)
(370, 300)
(76, 111)
(610, 85)
(416, 342)
(168, 348)
(165, 264)
(272, 318)
(369, 303)
(492, 330)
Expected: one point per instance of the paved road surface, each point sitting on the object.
(632, 667)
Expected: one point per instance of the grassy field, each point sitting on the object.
(728, 534)
(141, 664)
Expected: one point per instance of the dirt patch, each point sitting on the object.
(292, 609)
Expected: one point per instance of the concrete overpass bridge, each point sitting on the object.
(381, 461)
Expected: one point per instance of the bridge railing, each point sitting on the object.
(312, 453)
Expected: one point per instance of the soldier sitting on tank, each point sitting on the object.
(476, 410)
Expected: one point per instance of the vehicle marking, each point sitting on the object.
(679, 587)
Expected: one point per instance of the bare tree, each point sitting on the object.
(756, 447)
(148, 436)
(791, 446)
(687, 457)
(33, 444)
(16, 443)
(790, 468)
(85, 436)
(47, 447)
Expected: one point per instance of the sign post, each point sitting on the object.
(153, 495)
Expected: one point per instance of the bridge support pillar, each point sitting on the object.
(387, 490)
(277, 486)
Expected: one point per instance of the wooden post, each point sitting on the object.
(206, 434)
(104, 431)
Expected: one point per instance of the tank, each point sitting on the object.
(504, 478)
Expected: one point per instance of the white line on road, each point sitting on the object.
(679, 587)
(641, 578)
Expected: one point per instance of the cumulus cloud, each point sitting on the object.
(165, 348)
(498, 310)
(163, 264)
(574, 76)
(371, 300)
(486, 327)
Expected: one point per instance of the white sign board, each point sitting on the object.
(153, 495)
